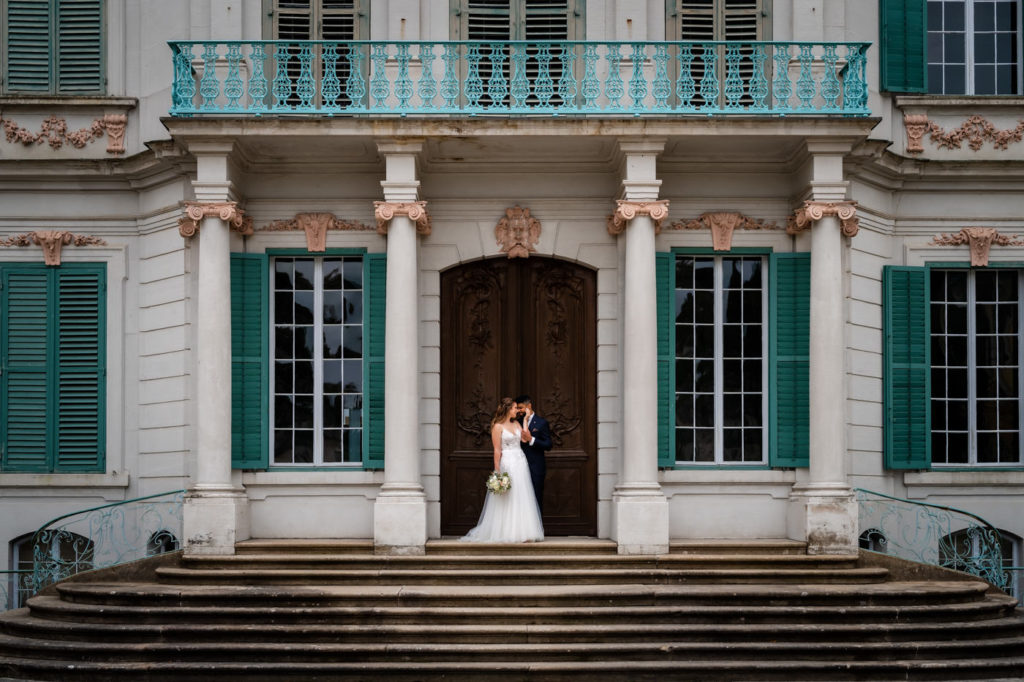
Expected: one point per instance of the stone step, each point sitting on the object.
(550, 576)
(373, 595)
(720, 547)
(947, 615)
(1003, 670)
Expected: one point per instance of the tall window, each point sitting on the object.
(317, 371)
(721, 360)
(53, 46)
(974, 47)
(739, 20)
(517, 19)
(318, 19)
(976, 367)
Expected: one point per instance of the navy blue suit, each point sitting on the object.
(541, 433)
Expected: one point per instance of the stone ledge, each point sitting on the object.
(312, 478)
(114, 480)
(71, 101)
(963, 479)
(729, 476)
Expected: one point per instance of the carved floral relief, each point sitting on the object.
(52, 241)
(980, 241)
(722, 225)
(976, 130)
(517, 233)
(54, 131)
(315, 225)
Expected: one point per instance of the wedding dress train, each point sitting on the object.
(512, 516)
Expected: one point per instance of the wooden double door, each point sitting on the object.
(513, 326)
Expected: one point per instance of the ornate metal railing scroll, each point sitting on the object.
(15, 588)
(932, 534)
(258, 78)
(106, 536)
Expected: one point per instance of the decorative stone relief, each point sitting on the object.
(627, 210)
(315, 225)
(813, 211)
(415, 210)
(54, 131)
(975, 130)
(980, 241)
(52, 242)
(517, 233)
(722, 225)
(916, 126)
(227, 211)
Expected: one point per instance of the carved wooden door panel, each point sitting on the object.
(510, 327)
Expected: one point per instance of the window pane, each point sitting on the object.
(353, 445)
(704, 373)
(704, 412)
(352, 415)
(985, 48)
(984, 80)
(303, 447)
(984, 16)
(684, 445)
(304, 278)
(333, 446)
(953, 16)
(353, 269)
(684, 305)
(333, 308)
(954, 81)
(704, 445)
(684, 410)
(1009, 415)
(957, 451)
(732, 446)
(704, 274)
(332, 274)
(732, 405)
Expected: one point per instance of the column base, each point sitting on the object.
(214, 519)
(640, 519)
(400, 521)
(825, 517)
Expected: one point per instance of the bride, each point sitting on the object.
(512, 516)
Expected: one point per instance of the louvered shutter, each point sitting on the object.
(81, 367)
(903, 61)
(25, 344)
(375, 295)
(28, 46)
(701, 20)
(79, 46)
(789, 366)
(250, 393)
(665, 274)
(907, 368)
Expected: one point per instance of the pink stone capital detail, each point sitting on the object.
(980, 241)
(517, 233)
(627, 210)
(813, 211)
(52, 242)
(722, 224)
(384, 211)
(227, 211)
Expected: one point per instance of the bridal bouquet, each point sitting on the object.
(499, 482)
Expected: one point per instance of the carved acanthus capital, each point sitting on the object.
(315, 225)
(722, 224)
(517, 233)
(227, 211)
(813, 211)
(384, 211)
(916, 126)
(627, 210)
(52, 241)
(980, 241)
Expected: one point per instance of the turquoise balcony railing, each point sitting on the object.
(324, 78)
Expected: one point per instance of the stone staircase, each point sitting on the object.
(557, 610)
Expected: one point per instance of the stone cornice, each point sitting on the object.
(980, 241)
(416, 211)
(627, 210)
(52, 241)
(813, 211)
(315, 225)
(722, 224)
(227, 211)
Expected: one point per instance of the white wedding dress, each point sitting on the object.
(512, 516)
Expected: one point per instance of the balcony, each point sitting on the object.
(373, 78)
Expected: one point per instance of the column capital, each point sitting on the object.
(813, 211)
(416, 211)
(227, 211)
(627, 210)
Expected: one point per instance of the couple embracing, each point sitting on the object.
(515, 516)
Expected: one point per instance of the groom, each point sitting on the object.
(536, 441)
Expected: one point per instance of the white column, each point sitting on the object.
(400, 511)
(639, 507)
(823, 510)
(216, 510)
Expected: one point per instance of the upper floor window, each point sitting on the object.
(974, 47)
(740, 20)
(319, 19)
(517, 19)
(53, 47)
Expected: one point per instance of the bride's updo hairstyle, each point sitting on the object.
(503, 408)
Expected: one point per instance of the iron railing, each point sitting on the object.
(932, 534)
(98, 537)
(254, 78)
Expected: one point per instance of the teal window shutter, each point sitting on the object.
(907, 366)
(789, 366)
(374, 292)
(27, 46)
(54, 46)
(79, 46)
(81, 367)
(904, 61)
(666, 288)
(250, 392)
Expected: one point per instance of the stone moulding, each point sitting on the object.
(627, 210)
(416, 211)
(52, 242)
(315, 225)
(980, 241)
(813, 211)
(54, 131)
(227, 211)
(722, 224)
(975, 130)
(517, 233)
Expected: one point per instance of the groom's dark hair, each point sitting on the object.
(524, 399)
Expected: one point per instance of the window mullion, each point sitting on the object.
(318, 361)
(972, 372)
(765, 388)
(969, 49)
(719, 349)
(1020, 363)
